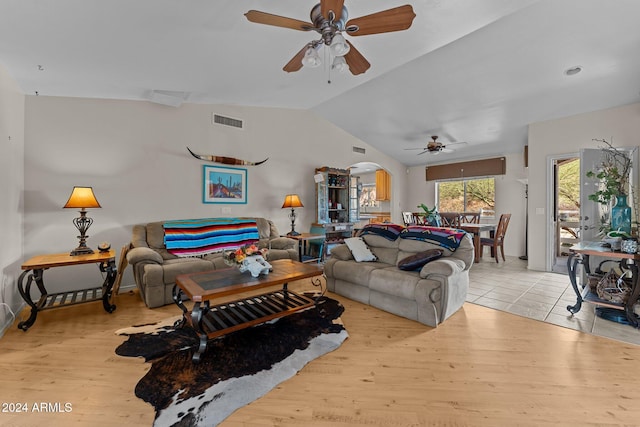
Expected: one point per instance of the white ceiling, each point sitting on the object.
(476, 71)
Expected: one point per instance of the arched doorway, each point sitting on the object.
(371, 196)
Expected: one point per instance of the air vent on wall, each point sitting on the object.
(358, 150)
(227, 121)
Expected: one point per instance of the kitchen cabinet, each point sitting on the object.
(383, 185)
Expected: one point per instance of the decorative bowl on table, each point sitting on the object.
(614, 242)
(249, 258)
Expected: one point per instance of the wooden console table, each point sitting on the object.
(34, 272)
(580, 254)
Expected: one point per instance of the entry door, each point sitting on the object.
(590, 212)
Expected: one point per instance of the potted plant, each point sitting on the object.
(431, 216)
(613, 174)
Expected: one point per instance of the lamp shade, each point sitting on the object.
(82, 198)
(311, 58)
(339, 46)
(292, 201)
(340, 64)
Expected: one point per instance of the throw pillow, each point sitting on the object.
(417, 261)
(359, 249)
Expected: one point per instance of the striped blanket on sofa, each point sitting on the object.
(198, 237)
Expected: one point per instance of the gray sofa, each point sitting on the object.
(155, 269)
(429, 295)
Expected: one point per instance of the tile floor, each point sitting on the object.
(511, 287)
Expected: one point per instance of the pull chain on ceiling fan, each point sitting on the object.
(330, 19)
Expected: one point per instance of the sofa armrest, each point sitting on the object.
(341, 252)
(443, 267)
(137, 255)
(282, 243)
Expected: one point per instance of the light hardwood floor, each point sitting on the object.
(481, 367)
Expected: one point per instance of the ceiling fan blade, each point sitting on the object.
(357, 63)
(277, 20)
(295, 63)
(425, 151)
(335, 5)
(396, 19)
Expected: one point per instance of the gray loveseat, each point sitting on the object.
(429, 295)
(155, 269)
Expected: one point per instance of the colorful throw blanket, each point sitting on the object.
(445, 237)
(197, 237)
(388, 231)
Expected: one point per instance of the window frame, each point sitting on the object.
(464, 185)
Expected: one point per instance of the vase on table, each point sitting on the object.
(621, 215)
(255, 264)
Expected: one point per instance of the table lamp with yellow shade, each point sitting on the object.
(82, 198)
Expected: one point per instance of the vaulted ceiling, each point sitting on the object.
(476, 72)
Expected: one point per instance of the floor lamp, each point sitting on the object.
(525, 182)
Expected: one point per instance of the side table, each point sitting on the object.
(34, 272)
(302, 239)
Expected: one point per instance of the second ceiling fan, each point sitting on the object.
(436, 147)
(329, 19)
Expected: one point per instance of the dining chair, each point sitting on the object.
(407, 217)
(470, 217)
(419, 218)
(497, 241)
(316, 247)
(450, 219)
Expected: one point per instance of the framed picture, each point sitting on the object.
(224, 185)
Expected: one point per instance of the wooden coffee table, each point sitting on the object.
(211, 321)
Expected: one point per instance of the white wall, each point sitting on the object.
(134, 155)
(510, 198)
(12, 179)
(563, 136)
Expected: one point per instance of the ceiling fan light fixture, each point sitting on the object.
(340, 64)
(339, 46)
(311, 58)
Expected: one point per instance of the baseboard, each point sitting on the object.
(7, 322)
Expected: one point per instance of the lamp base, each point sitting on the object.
(81, 251)
(293, 233)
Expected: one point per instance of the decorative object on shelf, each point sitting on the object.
(614, 288)
(629, 246)
(82, 198)
(104, 246)
(614, 242)
(613, 173)
(292, 201)
(224, 185)
(225, 160)
(621, 214)
(432, 216)
(249, 258)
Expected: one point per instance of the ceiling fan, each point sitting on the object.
(436, 147)
(329, 19)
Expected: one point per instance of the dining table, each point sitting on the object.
(476, 229)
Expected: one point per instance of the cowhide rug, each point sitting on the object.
(235, 369)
